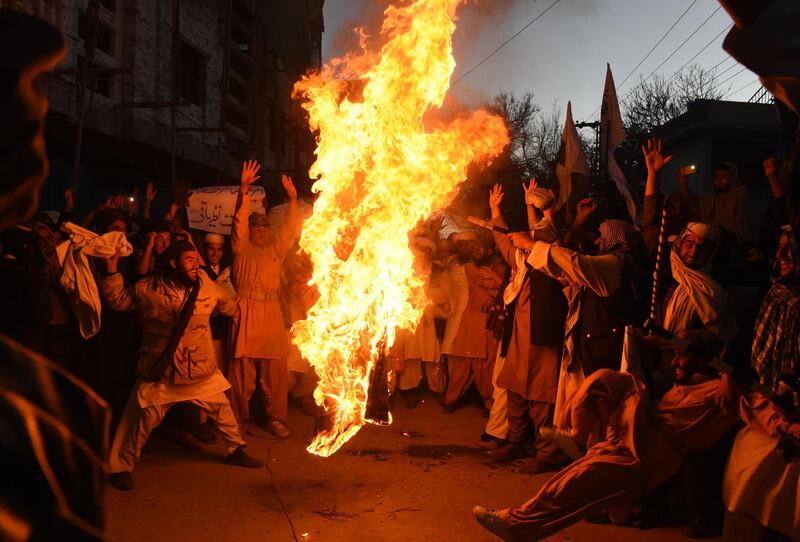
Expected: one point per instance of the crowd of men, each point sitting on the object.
(543, 328)
(191, 320)
(649, 366)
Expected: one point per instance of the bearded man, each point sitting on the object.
(176, 362)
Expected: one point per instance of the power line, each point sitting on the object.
(683, 43)
(678, 48)
(727, 79)
(718, 64)
(729, 68)
(657, 44)
(502, 45)
(741, 88)
(674, 24)
(700, 51)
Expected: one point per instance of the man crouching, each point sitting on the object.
(632, 445)
(176, 360)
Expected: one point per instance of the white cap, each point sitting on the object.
(214, 238)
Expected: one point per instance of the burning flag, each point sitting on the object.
(379, 170)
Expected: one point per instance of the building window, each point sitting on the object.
(101, 84)
(105, 34)
(192, 74)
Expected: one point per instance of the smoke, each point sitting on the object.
(488, 19)
(482, 26)
(358, 14)
(474, 15)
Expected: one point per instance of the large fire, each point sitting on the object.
(380, 170)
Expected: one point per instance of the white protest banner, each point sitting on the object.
(211, 209)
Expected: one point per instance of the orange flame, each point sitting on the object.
(379, 172)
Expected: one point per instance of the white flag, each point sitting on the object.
(571, 166)
(612, 133)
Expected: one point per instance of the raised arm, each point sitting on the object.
(143, 265)
(530, 208)
(651, 221)
(501, 240)
(286, 231)
(240, 235)
(602, 274)
(116, 295)
(655, 161)
(583, 212)
(150, 194)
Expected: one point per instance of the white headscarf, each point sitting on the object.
(545, 231)
(697, 293)
(539, 198)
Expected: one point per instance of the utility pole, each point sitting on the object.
(596, 161)
(224, 86)
(176, 58)
(86, 80)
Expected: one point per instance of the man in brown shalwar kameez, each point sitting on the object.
(530, 371)
(261, 344)
(471, 359)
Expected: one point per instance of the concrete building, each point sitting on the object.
(713, 131)
(177, 91)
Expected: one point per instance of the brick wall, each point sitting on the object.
(138, 68)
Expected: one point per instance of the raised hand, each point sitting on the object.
(496, 196)
(653, 155)
(111, 263)
(150, 192)
(69, 199)
(250, 174)
(529, 191)
(288, 185)
(173, 208)
(586, 207)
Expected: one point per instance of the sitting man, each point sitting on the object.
(693, 300)
(633, 446)
(760, 487)
(176, 362)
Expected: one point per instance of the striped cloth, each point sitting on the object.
(776, 338)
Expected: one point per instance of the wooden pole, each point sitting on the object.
(176, 45)
(662, 234)
(83, 82)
